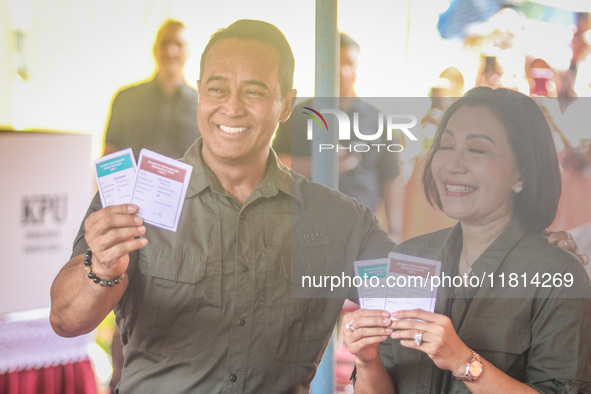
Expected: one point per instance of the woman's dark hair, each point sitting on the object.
(248, 29)
(530, 138)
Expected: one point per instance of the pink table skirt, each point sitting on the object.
(33, 359)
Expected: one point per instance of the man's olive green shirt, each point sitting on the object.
(209, 307)
(538, 333)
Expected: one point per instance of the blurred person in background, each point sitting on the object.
(370, 177)
(490, 72)
(542, 80)
(568, 79)
(573, 137)
(161, 114)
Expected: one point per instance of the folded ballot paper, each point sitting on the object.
(398, 282)
(157, 185)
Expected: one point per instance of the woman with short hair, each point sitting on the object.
(493, 167)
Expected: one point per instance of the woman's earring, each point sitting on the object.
(517, 188)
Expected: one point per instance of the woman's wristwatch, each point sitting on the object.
(473, 369)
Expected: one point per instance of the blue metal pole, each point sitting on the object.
(324, 164)
(325, 380)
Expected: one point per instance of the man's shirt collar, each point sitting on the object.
(277, 178)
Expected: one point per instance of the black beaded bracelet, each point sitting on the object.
(95, 278)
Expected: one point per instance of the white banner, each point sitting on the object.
(46, 185)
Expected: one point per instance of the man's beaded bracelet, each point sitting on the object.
(95, 278)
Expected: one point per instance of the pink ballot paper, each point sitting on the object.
(410, 283)
(399, 282)
(160, 189)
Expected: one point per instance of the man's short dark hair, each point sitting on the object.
(248, 29)
(529, 136)
(347, 41)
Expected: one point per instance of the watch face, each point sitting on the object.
(475, 368)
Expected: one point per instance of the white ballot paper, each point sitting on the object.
(410, 283)
(373, 275)
(115, 177)
(160, 189)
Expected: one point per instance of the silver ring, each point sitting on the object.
(419, 337)
(349, 326)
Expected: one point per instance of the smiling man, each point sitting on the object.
(241, 103)
(209, 308)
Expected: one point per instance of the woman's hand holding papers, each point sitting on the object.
(433, 334)
(429, 332)
(363, 332)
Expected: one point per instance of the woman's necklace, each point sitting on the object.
(463, 268)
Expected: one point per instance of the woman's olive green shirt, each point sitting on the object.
(538, 335)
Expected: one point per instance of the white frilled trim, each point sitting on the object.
(27, 341)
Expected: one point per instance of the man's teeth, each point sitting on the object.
(232, 130)
(459, 188)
